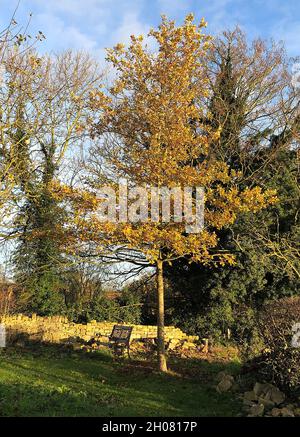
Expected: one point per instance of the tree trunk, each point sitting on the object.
(162, 362)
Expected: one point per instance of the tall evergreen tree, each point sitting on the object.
(266, 153)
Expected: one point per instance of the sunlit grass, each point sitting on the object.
(51, 382)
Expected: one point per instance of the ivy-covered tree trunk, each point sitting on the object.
(162, 361)
(37, 257)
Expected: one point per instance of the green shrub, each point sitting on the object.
(41, 294)
(123, 309)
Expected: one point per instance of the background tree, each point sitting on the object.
(252, 99)
(44, 101)
(14, 41)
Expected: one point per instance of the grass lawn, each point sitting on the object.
(49, 381)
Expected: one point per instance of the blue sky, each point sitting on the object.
(96, 24)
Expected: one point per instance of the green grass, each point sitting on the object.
(50, 382)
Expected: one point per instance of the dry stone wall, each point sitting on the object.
(60, 330)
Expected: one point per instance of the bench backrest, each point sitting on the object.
(121, 333)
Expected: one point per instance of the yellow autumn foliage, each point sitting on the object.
(151, 121)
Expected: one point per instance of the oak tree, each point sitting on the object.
(150, 122)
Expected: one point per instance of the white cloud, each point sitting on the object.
(85, 9)
(61, 36)
(130, 25)
(290, 35)
(220, 15)
(176, 6)
(85, 24)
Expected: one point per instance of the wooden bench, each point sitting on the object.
(119, 339)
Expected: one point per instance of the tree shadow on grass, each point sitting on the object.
(54, 381)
